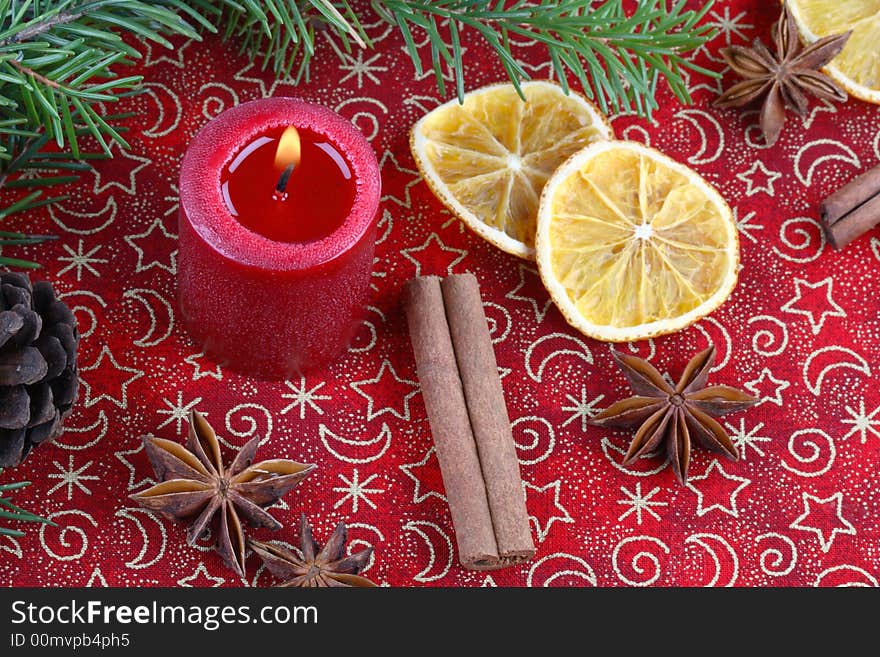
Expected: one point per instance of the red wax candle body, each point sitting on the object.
(274, 284)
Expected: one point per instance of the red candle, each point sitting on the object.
(278, 204)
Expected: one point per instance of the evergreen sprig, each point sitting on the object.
(56, 60)
(282, 34)
(58, 79)
(617, 57)
(61, 61)
(9, 511)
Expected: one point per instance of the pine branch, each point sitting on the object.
(617, 57)
(57, 60)
(282, 33)
(9, 511)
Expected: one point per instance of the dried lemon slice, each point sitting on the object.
(857, 67)
(632, 244)
(487, 159)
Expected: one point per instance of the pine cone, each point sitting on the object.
(38, 373)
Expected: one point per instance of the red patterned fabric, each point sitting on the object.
(801, 331)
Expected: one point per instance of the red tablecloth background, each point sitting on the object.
(801, 331)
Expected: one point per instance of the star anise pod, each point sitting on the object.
(783, 78)
(327, 566)
(195, 484)
(674, 417)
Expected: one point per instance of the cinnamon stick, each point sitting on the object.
(852, 210)
(450, 424)
(465, 404)
(490, 422)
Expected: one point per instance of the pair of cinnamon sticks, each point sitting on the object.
(469, 421)
(853, 210)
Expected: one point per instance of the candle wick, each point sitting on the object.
(281, 187)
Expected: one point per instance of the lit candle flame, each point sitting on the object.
(286, 158)
(288, 149)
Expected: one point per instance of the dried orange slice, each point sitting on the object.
(631, 244)
(857, 67)
(487, 159)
